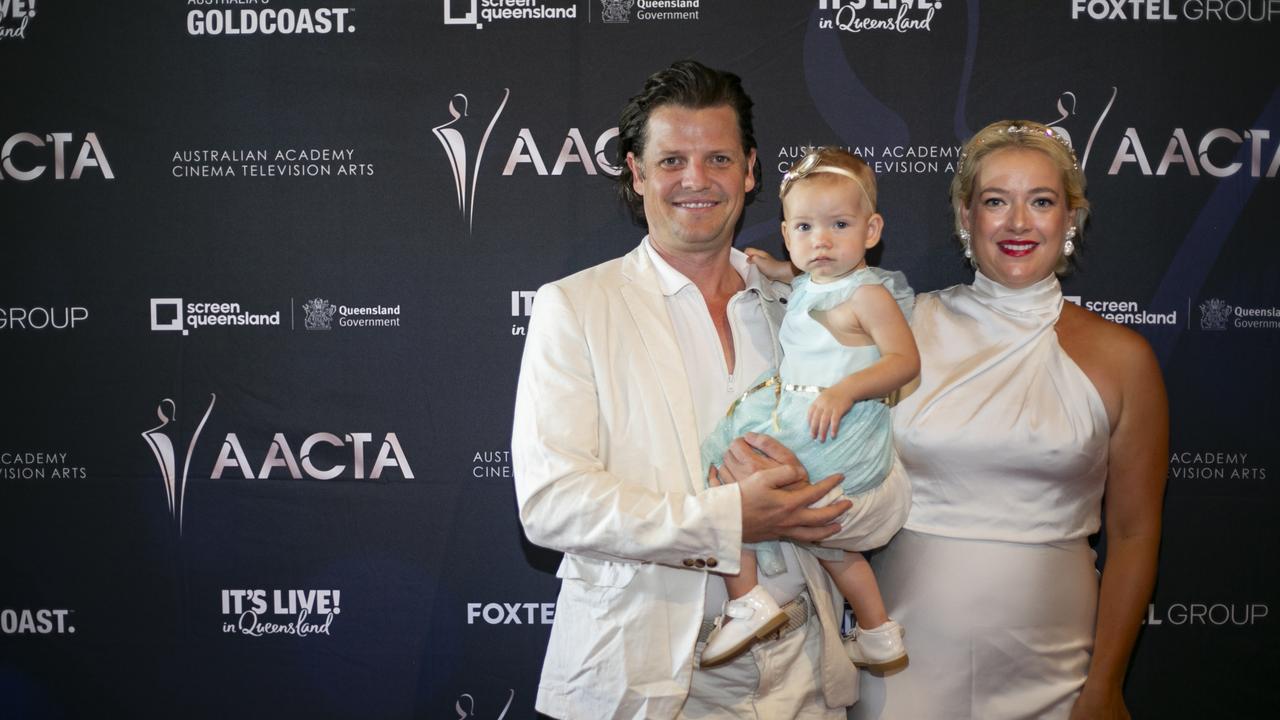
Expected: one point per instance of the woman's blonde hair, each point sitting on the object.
(1026, 135)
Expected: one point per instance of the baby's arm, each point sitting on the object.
(871, 311)
(776, 270)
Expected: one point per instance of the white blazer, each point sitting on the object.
(605, 449)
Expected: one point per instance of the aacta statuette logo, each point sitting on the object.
(470, 710)
(15, 15)
(162, 446)
(457, 149)
(616, 11)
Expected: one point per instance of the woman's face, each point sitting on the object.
(1018, 217)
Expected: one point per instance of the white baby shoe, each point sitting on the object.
(879, 649)
(752, 617)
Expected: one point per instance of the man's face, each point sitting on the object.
(693, 176)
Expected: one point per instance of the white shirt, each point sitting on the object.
(712, 385)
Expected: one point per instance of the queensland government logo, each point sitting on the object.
(619, 11)
(616, 11)
(319, 313)
(15, 16)
(479, 12)
(1214, 314)
(872, 15)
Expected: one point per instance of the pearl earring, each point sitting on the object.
(1069, 247)
(965, 237)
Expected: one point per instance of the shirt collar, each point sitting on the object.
(672, 281)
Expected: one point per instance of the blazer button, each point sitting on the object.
(688, 562)
(712, 562)
(700, 563)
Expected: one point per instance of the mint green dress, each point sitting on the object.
(814, 359)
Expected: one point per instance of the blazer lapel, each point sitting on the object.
(648, 308)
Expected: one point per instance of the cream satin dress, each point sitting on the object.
(1005, 443)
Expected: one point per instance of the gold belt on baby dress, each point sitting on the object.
(778, 386)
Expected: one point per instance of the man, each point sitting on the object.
(627, 366)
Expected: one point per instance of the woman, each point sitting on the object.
(1032, 417)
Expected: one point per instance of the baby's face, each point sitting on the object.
(828, 226)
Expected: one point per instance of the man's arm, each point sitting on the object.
(863, 525)
(568, 499)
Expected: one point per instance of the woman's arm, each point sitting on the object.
(1138, 463)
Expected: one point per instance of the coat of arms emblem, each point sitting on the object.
(1214, 314)
(319, 314)
(616, 11)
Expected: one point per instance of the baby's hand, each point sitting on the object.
(771, 267)
(825, 413)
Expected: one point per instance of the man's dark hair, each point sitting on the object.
(688, 84)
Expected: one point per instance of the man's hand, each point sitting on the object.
(776, 494)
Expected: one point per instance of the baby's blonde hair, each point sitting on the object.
(834, 160)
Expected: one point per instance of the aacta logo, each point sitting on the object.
(1213, 153)
(26, 156)
(465, 137)
(280, 455)
(333, 456)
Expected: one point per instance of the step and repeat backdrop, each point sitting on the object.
(268, 265)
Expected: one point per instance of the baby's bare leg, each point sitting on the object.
(741, 584)
(857, 583)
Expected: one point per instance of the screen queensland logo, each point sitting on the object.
(879, 15)
(15, 17)
(177, 315)
(263, 17)
(257, 612)
(1125, 312)
(476, 13)
(468, 133)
